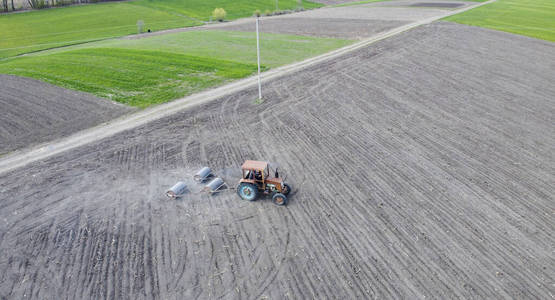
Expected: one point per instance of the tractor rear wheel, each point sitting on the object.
(247, 191)
(286, 189)
(279, 199)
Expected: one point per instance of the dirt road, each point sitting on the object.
(422, 167)
(34, 112)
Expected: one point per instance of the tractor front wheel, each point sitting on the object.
(279, 199)
(286, 189)
(247, 191)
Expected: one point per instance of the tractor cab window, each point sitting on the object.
(258, 175)
(247, 174)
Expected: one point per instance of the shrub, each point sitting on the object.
(257, 13)
(268, 12)
(219, 14)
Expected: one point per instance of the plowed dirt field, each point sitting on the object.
(422, 166)
(34, 112)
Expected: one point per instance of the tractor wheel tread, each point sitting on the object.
(247, 191)
(279, 199)
(287, 189)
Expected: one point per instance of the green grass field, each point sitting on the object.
(535, 18)
(161, 68)
(44, 29)
(134, 77)
(276, 49)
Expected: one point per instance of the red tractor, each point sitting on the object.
(256, 179)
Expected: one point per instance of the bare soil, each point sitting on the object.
(422, 167)
(387, 11)
(333, 2)
(433, 3)
(437, 4)
(35, 112)
(322, 27)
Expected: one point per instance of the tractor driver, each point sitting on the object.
(258, 175)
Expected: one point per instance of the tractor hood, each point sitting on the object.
(274, 180)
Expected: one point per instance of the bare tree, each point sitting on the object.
(5, 5)
(34, 3)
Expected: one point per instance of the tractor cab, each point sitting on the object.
(256, 178)
(256, 171)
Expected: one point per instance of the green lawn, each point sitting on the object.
(36, 30)
(535, 18)
(161, 68)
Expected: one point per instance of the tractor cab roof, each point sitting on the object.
(254, 165)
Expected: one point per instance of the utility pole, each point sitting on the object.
(258, 58)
